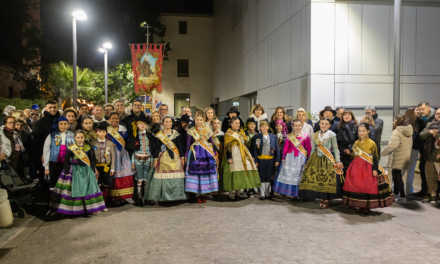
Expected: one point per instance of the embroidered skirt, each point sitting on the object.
(123, 183)
(168, 180)
(362, 190)
(234, 177)
(289, 177)
(319, 179)
(62, 201)
(201, 172)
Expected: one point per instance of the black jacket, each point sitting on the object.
(379, 128)
(333, 127)
(417, 142)
(137, 144)
(257, 149)
(128, 123)
(346, 136)
(42, 130)
(226, 125)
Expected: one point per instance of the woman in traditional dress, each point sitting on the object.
(71, 116)
(366, 184)
(77, 191)
(209, 116)
(201, 169)
(168, 181)
(123, 184)
(321, 177)
(238, 169)
(296, 151)
(87, 127)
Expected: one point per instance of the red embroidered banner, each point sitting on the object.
(147, 63)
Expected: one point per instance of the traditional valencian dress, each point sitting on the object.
(168, 181)
(242, 173)
(123, 184)
(77, 191)
(295, 154)
(320, 179)
(201, 170)
(361, 189)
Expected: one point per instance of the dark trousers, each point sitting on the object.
(265, 169)
(55, 169)
(399, 187)
(422, 168)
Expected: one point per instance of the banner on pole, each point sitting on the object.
(147, 63)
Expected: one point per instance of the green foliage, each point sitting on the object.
(312, 116)
(21, 104)
(61, 79)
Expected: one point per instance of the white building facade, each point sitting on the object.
(310, 54)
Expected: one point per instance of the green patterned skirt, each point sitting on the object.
(237, 180)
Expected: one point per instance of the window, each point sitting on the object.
(180, 101)
(183, 29)
(182, 68)
(11, 92)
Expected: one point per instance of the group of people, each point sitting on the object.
(90, 160)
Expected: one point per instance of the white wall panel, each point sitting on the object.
(263, 63)
(415, 93)
(363, 79)
(284, 91)
(322, 38)
(284, 57)
(354, 39)
(251, 71)
(262, 20)
(273, 96)
(360, 94)
(408, 37)
(322, 91)
(272, 10)
(428, 41)
(341, 38)
(295, 46)
(274, 64)
(282, 11)
(421, 79)
(305, 40)
(375, 39)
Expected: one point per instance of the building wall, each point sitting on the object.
(7, 81)
(198, 47)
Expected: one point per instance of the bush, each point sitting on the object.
(21, 104)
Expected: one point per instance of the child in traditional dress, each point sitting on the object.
(201, 170)
(218, 138)
(55, 149)
(77, 190)
(366, 185)
(281, 133)
(87, 127)
(104, 158)
(250, 133)
(295, 154)
(141, 160)
(321, 178)
(267, 156)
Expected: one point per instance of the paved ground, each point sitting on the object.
(249, 231)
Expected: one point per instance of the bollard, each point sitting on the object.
(6, 217)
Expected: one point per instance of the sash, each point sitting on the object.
(328, 154)
(236, 136)
(167, 142)
(216, 142)
(115, 134)
(365, 156)
(297, 144)
(79, 153)
(193, 132)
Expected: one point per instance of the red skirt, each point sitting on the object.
(122, 188)
(362, 190)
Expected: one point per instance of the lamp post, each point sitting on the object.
(104, 49)
(77, 15)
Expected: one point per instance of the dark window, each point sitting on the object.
(183, 27)
(182, 68)
(11, 92)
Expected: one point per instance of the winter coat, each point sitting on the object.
(345, 136)
(128, 123)
(262, 117)
(42, 130)
(399, 148)
(429, 140)
(417, 142)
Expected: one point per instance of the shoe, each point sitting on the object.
(105, 210)
(269, 197)
(199, 200)
(427, 199)
(251, 195)
(262, 198)
(402, 200)
(410, 196)
(141, 202)
(396, 197)
(204, 199)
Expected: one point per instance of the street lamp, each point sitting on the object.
(104, 50)
(77, 15)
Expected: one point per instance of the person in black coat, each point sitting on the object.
(233, 112)
(346, 136)
(182, 128)
(41, 131)
(328, 113)
(130, 123)
(28, 144)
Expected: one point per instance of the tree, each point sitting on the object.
(61, 80)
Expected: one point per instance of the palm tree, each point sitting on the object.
(61, 79)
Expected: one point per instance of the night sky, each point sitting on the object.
(115, 21)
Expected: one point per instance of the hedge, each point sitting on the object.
(21, 104)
